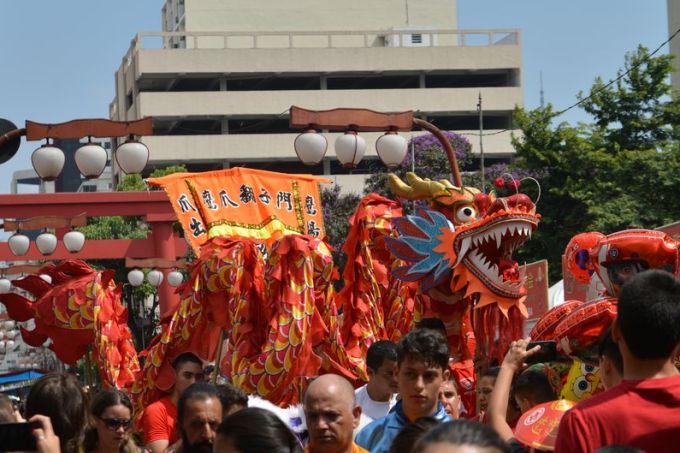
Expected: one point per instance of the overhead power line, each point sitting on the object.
(599, 90)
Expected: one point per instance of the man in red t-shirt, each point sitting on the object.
(158, 420)
(644, 410)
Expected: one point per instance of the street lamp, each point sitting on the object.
(155, 278)
(350, 148)
(175, 278)
(74, 241)
(391, 147)
(91, 159)
(135, 277)
(5, 285)
(310, 147)
(132, 156)
(45, 242)
(143, 313)
(48, 160)
(18, 243)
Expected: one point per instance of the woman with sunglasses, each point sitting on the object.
(109, 432)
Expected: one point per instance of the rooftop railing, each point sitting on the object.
(325, 40)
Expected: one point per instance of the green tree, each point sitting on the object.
(620, 171)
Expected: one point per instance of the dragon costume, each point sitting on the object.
(274, 298)
(78, 308)
(603, 264)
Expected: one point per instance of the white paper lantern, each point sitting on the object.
(155, 278)
(10, 344)
(310, 147)
(8, 325)
(91, 160)
(132, 156)
(350, 148)
(48, 162)
(18, 244)
(74, 241)
(391, 149)
(46, 243)
(175, 278)
(135, 277)
(5, 286)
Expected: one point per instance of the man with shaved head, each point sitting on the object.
(332, 415)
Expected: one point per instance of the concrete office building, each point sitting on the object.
(220, 78)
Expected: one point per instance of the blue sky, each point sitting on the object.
(59, 57)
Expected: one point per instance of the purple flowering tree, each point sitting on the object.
(337, 208)
(430, 161)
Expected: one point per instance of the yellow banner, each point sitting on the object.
(244, 202)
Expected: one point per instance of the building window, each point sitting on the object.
(416, 38)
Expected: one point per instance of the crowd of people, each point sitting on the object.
(410, 403)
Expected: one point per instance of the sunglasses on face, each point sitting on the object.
(114, 423)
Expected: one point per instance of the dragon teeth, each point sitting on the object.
(464, 247)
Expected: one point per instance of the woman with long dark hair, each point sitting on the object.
(111, 421)
(60, 397)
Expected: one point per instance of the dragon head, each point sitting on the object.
(466, 236)
(620, 255)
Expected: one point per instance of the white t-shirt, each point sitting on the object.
(373, 409)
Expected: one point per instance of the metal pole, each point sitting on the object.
(88, 367)
(413, 167)
(446, 145)
(413, 155)
(218, 357)
(11, 135)
(481, 137)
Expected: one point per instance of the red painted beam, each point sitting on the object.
(94, 204)
(97, 249)
(154, 206)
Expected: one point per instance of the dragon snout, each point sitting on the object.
(514, 202)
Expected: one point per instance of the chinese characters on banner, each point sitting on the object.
(244, 202)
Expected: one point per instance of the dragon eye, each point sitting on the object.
(466, 214)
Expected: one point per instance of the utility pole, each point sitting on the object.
(542, 100)
(481, 137)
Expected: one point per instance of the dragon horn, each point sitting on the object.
(417, 188)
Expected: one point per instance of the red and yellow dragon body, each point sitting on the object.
(284, 324)
(78, 308)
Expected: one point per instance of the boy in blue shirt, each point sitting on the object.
(422, 367)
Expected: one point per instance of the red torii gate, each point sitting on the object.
(154, 206)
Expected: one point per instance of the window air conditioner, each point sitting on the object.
(419, 38)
